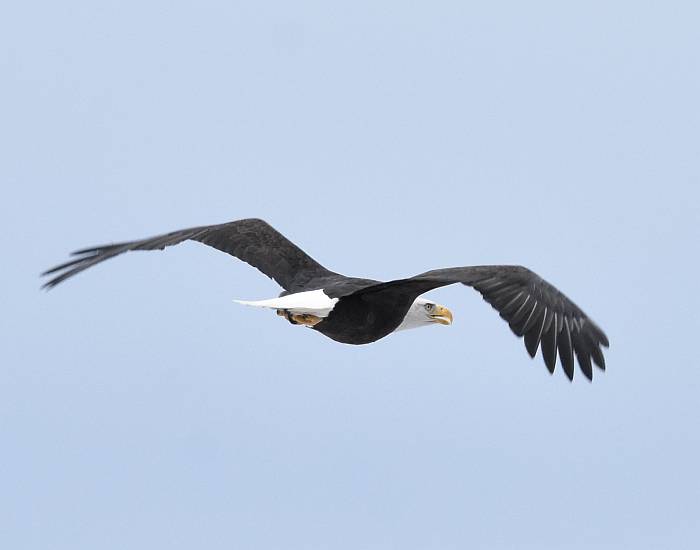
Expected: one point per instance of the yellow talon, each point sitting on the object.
(305, 319)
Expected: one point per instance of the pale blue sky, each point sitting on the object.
(141, 408)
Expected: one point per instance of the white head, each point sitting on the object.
(425, 312)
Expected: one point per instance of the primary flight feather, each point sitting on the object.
(359, 311)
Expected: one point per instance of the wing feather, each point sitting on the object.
(549, 344)
(566, 350)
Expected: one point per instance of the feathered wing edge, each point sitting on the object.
(252, 240)
(546, 318)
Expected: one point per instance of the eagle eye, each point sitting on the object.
(428, 307)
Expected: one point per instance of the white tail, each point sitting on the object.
(314, 302)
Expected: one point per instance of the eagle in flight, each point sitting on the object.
(352, 310)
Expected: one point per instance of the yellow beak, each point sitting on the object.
(442, 315)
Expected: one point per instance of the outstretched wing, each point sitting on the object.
(252, 240)
(533, 308)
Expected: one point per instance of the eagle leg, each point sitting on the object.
(305, 319)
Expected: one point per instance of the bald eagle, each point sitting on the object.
(352, 310)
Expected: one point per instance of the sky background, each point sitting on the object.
(141, 408)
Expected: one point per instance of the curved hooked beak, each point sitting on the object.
(441, 315)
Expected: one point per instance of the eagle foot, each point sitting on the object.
(299, 318)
